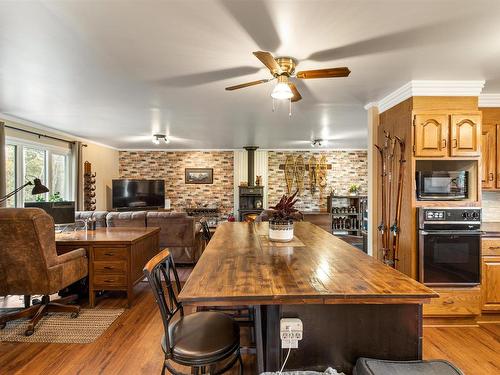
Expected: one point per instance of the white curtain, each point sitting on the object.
(3, 169)
(77, 175)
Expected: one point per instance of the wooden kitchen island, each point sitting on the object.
(350, 304)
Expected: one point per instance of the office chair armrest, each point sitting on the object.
(73, 254)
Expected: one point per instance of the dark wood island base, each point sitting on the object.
(337, 335)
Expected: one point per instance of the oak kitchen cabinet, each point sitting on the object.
(490, 283)
(441, 135)
(489, 155)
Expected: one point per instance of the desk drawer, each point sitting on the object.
(109, 280)
(110, 267)
(454, 302)
(110, 253)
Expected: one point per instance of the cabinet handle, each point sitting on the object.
(108, 268)
(443, 143)
(494, 248)
(455, 143)
(109, 254)
(448, 302)
(492, 176)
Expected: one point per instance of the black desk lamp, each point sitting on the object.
(38, 188)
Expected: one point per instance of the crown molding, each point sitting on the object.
(37, 126)
(428, 88)
(489, 100)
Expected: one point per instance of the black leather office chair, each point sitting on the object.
(200, 340)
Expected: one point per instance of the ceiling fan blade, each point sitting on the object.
(324, 73)
(296, 94)
(268, 60)
(248, 84)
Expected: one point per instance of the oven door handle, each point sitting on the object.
(457, 232)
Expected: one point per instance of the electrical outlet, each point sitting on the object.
(290, 332)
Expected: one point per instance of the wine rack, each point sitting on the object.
(89, 178)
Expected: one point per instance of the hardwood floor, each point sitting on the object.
(132, 345)
(475, 350)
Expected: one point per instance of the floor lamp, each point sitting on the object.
(38, 188)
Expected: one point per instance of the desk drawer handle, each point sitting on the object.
(108, 268)
(494, 247)
(109, 254)
(448, 302)
(108, 280)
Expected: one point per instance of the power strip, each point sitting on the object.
(290, 332)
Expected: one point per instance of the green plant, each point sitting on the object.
(354, 188)
(56, 197)
(284, 210)
(40, 198)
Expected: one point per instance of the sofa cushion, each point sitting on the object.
(126, 219)
(98, 216)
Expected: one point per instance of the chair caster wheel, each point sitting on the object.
(75, 315)
(29, 332)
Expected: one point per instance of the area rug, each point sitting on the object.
(61, 328)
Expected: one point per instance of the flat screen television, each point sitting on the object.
(134, 194)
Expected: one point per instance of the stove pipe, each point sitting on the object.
(251, 164)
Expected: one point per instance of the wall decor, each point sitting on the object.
(300, 170)
(313, 173)
(344, 167)
(289, 173)
(199, 175)
(322, 181)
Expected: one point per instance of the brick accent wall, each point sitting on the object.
(348, 167)
(171, 165)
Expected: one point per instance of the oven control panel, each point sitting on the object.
(450, 214)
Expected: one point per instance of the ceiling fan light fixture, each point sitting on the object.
(282, 90)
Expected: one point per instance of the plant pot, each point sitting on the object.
(281, 230)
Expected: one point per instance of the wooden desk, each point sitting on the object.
(116, 256)
(350, 303)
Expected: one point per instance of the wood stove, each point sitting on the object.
(251, 196)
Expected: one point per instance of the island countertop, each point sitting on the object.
(241, 266)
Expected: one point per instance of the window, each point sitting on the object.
(10, 154)
(59, 173)
(26, 161)
(34, 167)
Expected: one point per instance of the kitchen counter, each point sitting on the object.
(490, 229)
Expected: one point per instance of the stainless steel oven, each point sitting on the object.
(442, 185)
(449, 246)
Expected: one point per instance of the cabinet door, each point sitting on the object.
(497, 152)
(488, 159)
(466, 135)
(491, 283)
(431, 135)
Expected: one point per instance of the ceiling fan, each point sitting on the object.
(282, 69)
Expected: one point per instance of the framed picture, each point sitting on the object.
(199, 176)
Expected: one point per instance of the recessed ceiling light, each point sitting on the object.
(159, 137)
(319, 142)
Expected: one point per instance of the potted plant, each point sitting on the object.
(354, 189)
(281, 219)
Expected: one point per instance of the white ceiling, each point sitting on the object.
(118, 71)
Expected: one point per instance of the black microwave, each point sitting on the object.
(442, 185)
